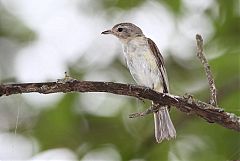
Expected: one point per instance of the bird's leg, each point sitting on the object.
(154, 106)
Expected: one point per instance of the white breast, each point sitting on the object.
(142, 64)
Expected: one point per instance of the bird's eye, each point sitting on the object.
(120, 29)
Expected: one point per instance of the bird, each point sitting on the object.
(147, 68)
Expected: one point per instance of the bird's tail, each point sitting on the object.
(164, 128)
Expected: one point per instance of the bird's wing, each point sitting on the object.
(160, 64)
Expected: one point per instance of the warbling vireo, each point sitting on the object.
(146, 66)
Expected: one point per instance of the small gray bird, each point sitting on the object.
(146, 66)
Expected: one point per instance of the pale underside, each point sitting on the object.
(142, 63)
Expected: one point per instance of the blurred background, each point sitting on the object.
(40, 40)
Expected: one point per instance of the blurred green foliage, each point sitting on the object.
(11, 27)
(122, 4)
(61, 126)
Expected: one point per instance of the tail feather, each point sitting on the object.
(164, 128)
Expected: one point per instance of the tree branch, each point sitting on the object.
(185, 104)
(200, 55)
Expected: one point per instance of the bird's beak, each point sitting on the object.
(107, 32)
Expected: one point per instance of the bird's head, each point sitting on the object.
(125, 31)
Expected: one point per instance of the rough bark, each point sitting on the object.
(186, 104)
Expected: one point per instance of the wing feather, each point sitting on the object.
(160, 64)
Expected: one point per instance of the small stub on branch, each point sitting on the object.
(66, 79)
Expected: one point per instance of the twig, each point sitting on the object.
(144, 113)
(185, 104)
(200, 55)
